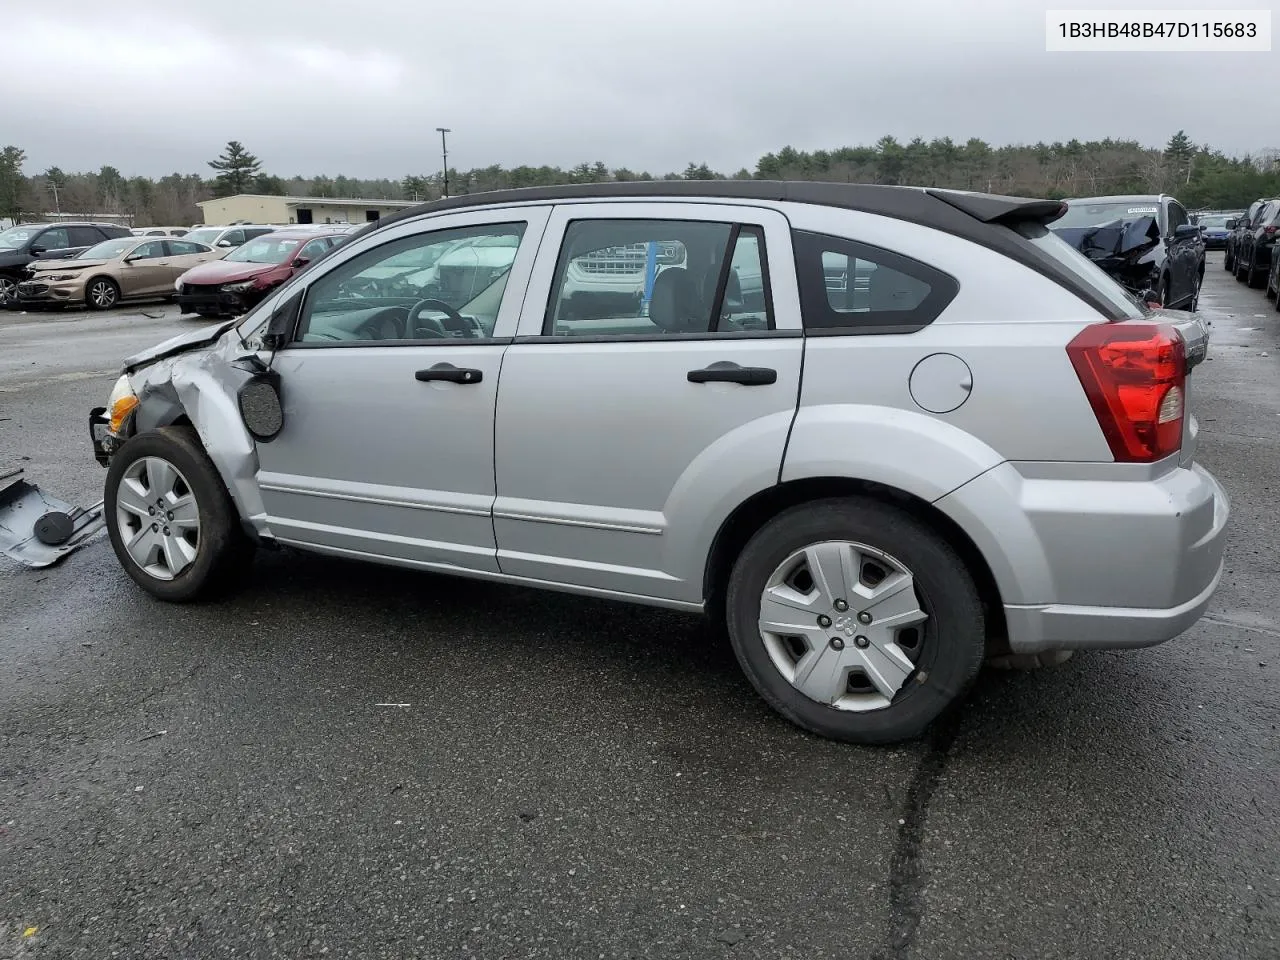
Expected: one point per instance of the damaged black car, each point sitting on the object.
(1146, 242)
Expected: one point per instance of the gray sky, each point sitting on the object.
(358, 86)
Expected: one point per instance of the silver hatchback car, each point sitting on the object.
(880, 432)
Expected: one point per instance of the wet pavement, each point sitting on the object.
(347, 761)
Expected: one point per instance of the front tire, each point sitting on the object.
(855, 620)
(172, 524)
(101, 293)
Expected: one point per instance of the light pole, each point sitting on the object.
(444, 152)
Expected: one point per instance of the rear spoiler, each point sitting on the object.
(990, 208)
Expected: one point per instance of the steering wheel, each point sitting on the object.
(415, 322)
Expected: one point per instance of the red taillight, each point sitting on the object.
(1270, 230)
(1135, 376)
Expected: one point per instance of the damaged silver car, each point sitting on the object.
(971, 443)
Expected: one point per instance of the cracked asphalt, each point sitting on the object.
(349, 761)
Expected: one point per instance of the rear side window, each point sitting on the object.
(853, 288)
(252, 232)
(85, 236)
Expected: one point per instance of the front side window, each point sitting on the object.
(849, 287)
(151, 250)
(233, 237)
(647, 278)
(57, 239)
(313, 249)
(1177, 217)
(387, 294)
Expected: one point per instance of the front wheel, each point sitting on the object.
(172, 524)
(855, 620)
(101, 294)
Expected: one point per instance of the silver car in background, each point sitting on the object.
(880, 433)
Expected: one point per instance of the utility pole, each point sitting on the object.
(444, 152)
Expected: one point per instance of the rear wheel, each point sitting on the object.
(172, 524)
(101, 294)
(855, 620)
(1253, 276)
(1227, 263)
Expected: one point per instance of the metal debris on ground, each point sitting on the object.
(38, 530)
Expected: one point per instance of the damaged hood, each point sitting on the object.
(201, 337)
(223, 271)
(1117, 244)
(60, 266)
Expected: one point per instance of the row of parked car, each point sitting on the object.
(1250, 247)
(214, 271)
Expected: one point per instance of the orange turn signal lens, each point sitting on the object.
(121, 409)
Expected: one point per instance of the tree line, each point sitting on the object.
(1200, 176)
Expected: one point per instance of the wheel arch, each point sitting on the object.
(751, 515)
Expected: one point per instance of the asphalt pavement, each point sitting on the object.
(350, 761)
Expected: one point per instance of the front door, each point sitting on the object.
(650, 389)
(389, 391)
(145, 270)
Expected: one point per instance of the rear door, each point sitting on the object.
(650, 390)
(145, 270)
(182, 256)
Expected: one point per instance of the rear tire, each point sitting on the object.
(1228, 263)
(1253, 277)
(934, 619)
(167, 469)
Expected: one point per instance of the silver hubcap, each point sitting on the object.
(7, 289)
(103, 294)
(843, 624)
(158, 518)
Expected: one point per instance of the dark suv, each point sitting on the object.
(1146, 242)
(1255, 244)
(1239, 227)
(26, 242)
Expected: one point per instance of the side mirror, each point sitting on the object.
(260, 406)
(301, 261)
(1186, 231)
(224, 243)
(35, 250)
(128, 261)
(1230, 225)
(280, 326)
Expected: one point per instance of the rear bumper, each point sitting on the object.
(1097, 564)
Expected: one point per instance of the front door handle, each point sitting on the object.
(448, 372)
(726, 371)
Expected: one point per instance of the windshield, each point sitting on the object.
(1214, 221)
(1095, 214)
(264, 250)
(15, 237)
(107, 250)
(1050, 243)
(206, 237)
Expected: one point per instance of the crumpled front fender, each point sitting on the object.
(203, 386)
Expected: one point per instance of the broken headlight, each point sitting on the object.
(121, 403)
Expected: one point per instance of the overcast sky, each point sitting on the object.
(358, 87)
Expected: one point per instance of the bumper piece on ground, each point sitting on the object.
(37, 530)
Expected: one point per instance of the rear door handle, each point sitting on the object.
(726, 371)
(450, 373)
